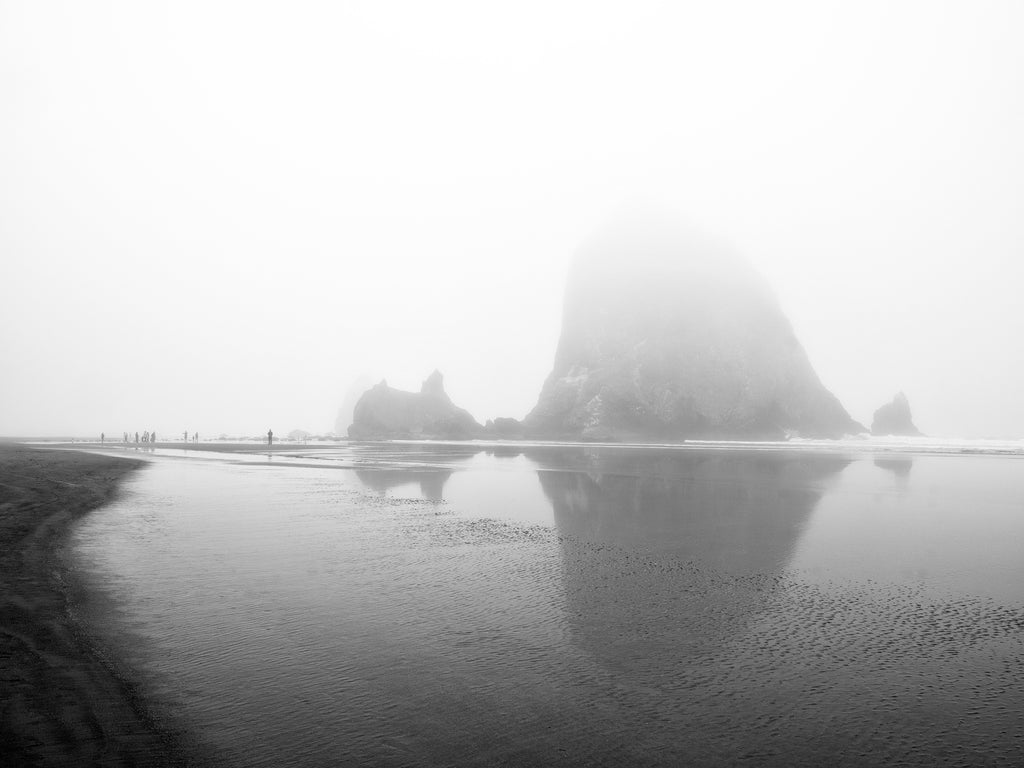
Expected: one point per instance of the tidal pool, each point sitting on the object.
(429, 604)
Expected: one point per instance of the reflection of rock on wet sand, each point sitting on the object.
(423, 463)
(900, 466)
(733, 511)
(431, 481)
(665, 553)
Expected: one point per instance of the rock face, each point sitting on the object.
(667, 335)
(894, 418)
(386, 413)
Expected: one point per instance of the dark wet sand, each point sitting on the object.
(61, 705)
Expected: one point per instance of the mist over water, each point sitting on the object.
(399, 604)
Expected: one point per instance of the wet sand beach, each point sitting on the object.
(455, 604)
(467, 605)
(62, 704)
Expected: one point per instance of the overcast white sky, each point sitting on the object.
(216, 216)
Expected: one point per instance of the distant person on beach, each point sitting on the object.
(136, 438)
(270, 437)
(103, 436)
(195, 438)
(152, 437)
(185, 433)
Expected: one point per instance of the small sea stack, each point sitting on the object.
(894, 419)
(384, 413)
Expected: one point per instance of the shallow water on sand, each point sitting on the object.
(453, 605)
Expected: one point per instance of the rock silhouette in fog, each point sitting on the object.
(669, 335)
(384, 413)
(894, 418)
(504, 427)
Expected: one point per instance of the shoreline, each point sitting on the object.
(876, 446)
(63, 705)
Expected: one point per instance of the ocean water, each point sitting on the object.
(463, 604)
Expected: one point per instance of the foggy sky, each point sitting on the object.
(216, 216)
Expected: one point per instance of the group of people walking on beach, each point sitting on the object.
(147, 438)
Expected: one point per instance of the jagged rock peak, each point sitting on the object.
(894, 418)
(669, 334)
(433, 385)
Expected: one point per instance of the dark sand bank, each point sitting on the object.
(61, 704)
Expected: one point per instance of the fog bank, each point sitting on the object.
(217, 216)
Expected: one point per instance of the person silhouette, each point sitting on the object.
(103, 437)
(270, 437)
(152, 437)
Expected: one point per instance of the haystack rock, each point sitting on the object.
(385, 413)
(667, 335)
(894, 418)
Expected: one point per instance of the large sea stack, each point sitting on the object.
(667, 335)
(386, 413)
